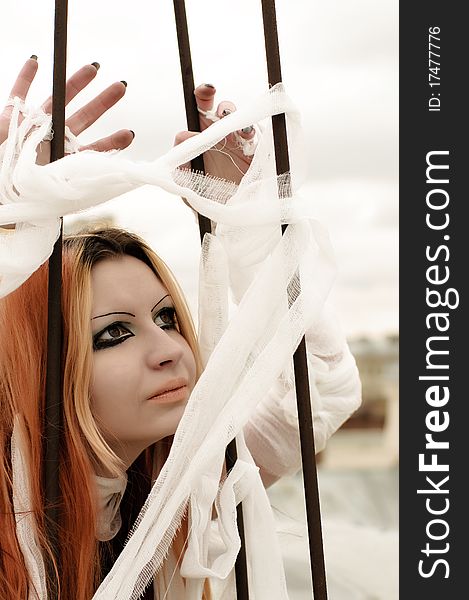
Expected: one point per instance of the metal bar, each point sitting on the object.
(313, 510)
(193, 124)
(241, 565)
(192, 114)
(53, 408)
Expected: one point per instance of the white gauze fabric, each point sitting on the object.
(280, 285)
(35, 197)
(24, 514)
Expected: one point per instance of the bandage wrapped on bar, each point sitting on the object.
(272, 434)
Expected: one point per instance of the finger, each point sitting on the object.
(247, 133)
(117, 141)
(225, 108)
(180, 137)
(204, 96)
(25, 78)
(89, 113)
(77, 82)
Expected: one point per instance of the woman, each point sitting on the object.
(131, 360)
(109, 262)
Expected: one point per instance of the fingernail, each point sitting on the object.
(96, 65)
(247, 129)
(33, 56)
(132, 132)
(124, 82)
(226, 111)
(209, 85)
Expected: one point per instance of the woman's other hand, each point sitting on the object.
(82, 118)
(228, 159)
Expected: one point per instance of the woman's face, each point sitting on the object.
(143, 369)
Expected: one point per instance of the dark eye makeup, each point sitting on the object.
(113, 334)
(166, 318)
(118, 332)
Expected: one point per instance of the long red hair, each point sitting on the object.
(23, 339)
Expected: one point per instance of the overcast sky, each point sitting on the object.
(339, 64)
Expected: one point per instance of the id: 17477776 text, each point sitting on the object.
(434, 102)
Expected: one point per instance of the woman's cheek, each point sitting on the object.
(110, 380)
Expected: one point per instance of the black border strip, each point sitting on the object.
(432, 261)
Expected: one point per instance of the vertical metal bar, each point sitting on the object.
(241, 566)
(192, 114)
(313, 511)
(53, 408)
(197, 164)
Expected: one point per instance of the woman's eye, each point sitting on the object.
(166, 318)
(115, 331)
(112, 335)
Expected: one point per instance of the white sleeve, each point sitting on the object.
(272, 433)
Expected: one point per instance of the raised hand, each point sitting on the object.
(227, 159)
(82, 118)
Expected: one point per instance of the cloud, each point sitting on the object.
(339, 61)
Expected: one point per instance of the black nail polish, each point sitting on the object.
(124, 82)
(247, 129)
(209, 85)
(96, 65)
(33, 56)
(132, 132)
(226, 111)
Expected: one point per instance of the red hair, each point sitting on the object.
(23, 331)
(21, 352)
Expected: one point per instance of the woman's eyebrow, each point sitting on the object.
(160, 301)
(113, 313)
(128, 313)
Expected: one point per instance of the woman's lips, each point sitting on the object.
(177, 394)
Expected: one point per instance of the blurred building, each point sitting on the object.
(370, 437)
(359, 493)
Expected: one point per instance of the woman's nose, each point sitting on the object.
(164, 348)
